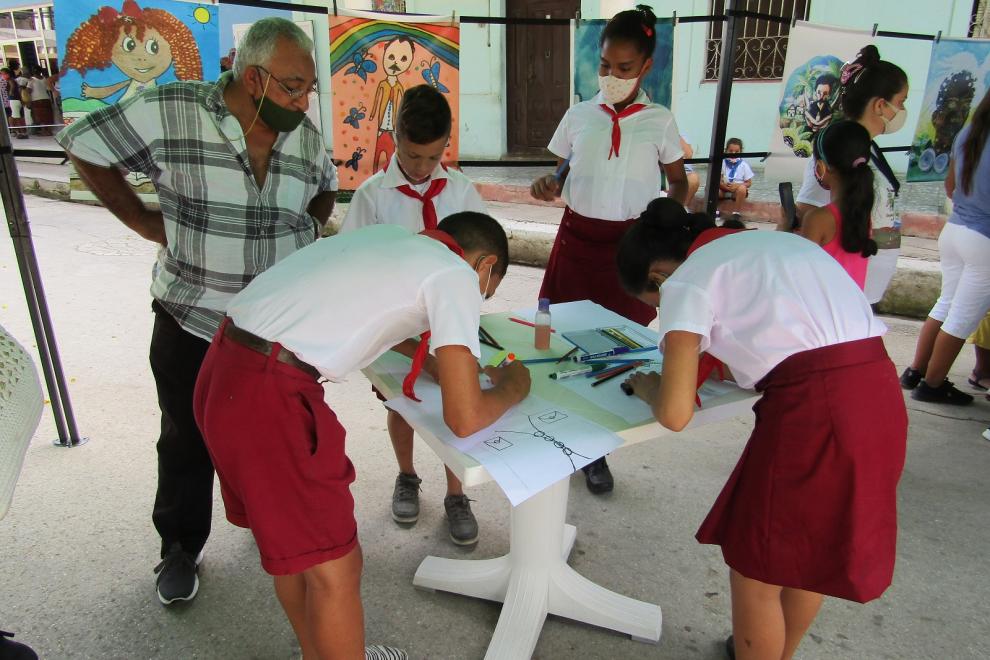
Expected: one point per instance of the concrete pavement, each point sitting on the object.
(78, 548)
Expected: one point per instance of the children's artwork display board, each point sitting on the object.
(374, 60)
(809, 98)
(958, 78)
(112, 52)
(586, 53)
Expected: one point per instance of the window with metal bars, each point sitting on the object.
(762, 44)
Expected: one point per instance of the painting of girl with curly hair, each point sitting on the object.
(115, 52)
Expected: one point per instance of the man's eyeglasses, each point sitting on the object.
(292, 93)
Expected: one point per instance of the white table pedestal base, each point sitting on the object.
(534, 580)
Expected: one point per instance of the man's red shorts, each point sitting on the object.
(278, 450)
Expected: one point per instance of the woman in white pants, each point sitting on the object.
(964, 248)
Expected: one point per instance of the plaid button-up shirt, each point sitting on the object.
(222, 230)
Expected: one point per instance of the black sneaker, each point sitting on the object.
(460, 520)
(730, 647)
(10, 650)
(598, 477)
(177, 573)
(910, 378)
(944, 393)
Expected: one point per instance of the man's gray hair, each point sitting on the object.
(258, 45)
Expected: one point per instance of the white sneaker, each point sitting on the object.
(986, 434)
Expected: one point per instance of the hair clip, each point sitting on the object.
(859, 161)
(849, 69)
(648, 30)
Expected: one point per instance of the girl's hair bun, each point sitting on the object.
(868, 55)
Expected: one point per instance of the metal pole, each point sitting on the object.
(723, 95)
(27, 262)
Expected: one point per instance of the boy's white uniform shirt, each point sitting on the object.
(377, 200)
(759, 297)
(341, 302)
(620, 187)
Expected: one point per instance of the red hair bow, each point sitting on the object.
(130, 10)
(648, 30)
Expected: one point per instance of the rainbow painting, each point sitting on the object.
(373, 62)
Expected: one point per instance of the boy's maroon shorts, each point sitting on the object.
(278, 450)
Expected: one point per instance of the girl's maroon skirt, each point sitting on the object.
(812, 502)
(582, 267)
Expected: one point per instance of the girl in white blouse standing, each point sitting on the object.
(810, 509)
(614, 146)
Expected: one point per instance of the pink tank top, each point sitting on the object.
(853, 262)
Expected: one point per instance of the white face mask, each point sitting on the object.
(616, 90)
(896, 122)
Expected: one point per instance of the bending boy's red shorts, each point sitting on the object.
(278, 450)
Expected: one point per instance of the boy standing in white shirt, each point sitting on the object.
(278, 448)
(416, 191)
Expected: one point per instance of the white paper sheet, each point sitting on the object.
(531, 447)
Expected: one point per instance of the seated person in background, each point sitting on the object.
(328, 310)
(737, 176)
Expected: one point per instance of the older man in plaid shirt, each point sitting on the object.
(243, 180)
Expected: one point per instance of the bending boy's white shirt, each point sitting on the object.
(377, 200)
(341, 302)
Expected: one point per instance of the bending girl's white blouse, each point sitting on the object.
(758, 297)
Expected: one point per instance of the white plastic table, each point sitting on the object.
(534, 579)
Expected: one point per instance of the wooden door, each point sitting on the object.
(538, 73)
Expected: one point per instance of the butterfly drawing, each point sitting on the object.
(431, 74)
(355, 116)
(355, 157)
(361, 66)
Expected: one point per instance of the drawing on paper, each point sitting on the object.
(548, 417)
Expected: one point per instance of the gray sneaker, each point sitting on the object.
(463, 525)
(379, 652)
(405, 498)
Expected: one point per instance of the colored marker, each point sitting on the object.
(497, 359)
(614, 374)
(577, 371)
(509, 359)
(559, 174)
(618, 350)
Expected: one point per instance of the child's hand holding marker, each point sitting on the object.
(644, 385)
(511, 374)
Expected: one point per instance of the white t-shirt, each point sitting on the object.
(39, 89)
(883, 214)
(377, 201)
(741, 173)
(758, 297)
(341, 302)
(617, 188)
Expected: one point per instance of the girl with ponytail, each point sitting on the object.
(964, 248)
(842, 155)
(873, 93)
(810, 509)
(611, 152)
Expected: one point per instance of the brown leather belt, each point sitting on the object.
(263, 346)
